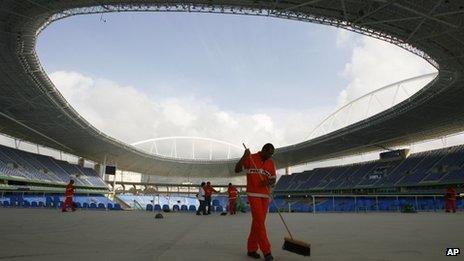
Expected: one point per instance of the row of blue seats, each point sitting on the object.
(365, 205)
(56, 199)
(184, 208)
(18, 163)
(443, 166)
(40, 204)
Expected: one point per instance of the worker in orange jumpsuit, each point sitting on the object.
(261, 175)
(68, 202)
(450, 200)
(209, 190)
(232, 190)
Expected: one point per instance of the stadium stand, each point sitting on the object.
(20, 165)
(159, 202)
(425, 169)
(391, 184)
(421, 173)
(174, 202)
(36, 181)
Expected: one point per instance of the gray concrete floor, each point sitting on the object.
(43, 234)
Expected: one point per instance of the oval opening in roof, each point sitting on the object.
(137, 76)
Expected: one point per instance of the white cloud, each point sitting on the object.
(375, 63)
(175, 113)
(129, 115)
(345, 38)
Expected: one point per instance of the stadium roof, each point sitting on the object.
(32, 109)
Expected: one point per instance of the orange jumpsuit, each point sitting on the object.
(450, 200)
(258, 175)
(232, 190)
(208, 193)
(68, 202)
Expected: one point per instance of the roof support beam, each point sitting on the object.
(374, 11)
(414, 18)
(301, 5)
(344, 10)
(15, 13)
(33, 130)
(391, 20)
(427, 16)
(39, 5)
(439, 33)
(423, 20)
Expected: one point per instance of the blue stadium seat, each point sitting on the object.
(215, 202)
(93, 206)
(157, 207)
(272, 209)
(165, 207)
(183, 208)
(149, 207)
(41, 204)
(218, 208)
(85, 205)
(175, 208)
(101, 206)
(383, 206)
(110, 206)
(26, 204)
(117, 206)
(192, 208)
(6, 203)
(34, 204)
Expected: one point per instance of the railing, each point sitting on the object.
(136, 205)
(167, 188)
(149, 201)
(361, 203)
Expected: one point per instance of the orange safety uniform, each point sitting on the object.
(258, 175)
(68, 202)
(209, 190)
(450, 200)
(232, 190)
(208, 193)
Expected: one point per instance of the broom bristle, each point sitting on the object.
(297, 246)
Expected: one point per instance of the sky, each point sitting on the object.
(234, 78)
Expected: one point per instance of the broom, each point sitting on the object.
(290, 244)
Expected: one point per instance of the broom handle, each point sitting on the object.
(272, 197)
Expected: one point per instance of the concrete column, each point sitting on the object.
(80, 162)
(97, 168)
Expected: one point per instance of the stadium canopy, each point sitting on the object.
(32, 109)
